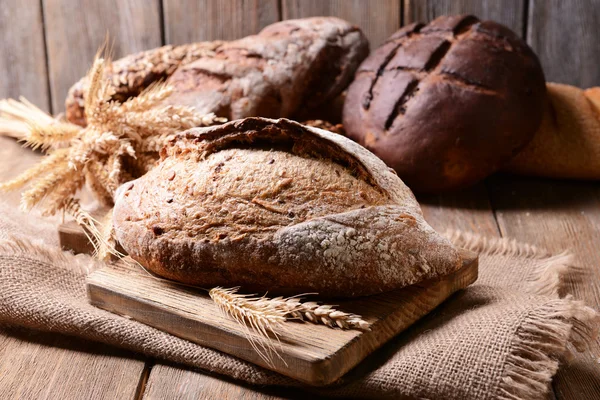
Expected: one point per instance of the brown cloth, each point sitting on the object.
(499, 339)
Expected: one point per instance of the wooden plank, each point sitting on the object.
(15, 159)
(507, 12)
(76, 30)
(170, 382)
(466, 209)
(559, 215)
(23, 61)
(378, 19)
(72, 238)
(564, 34)
(36, 365)
(314, 354)
(199, 20)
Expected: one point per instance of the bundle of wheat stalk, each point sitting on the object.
(120, 143)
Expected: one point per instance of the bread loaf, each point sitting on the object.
(447, 103)
(567, 145)
(274, 205)
(288, 69)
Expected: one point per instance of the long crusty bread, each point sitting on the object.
(288, 69)
(567, 145)
(278, 206)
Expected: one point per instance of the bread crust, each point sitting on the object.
(381, 245)
(289, 69)
(130, 75)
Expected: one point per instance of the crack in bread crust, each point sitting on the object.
(237, 192)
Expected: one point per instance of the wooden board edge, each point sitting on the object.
(316, 371)
(130, 307)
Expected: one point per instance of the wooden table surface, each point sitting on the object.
(551, 213)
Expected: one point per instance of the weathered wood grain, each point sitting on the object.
(23, 56)
(172, 383)
(199, 20)
(507, 12)
(37, 365)
(15, 159)
(378, 19)
(467, 210)
(76, 30)
(564, 34)
(315, 354)
(559, 215)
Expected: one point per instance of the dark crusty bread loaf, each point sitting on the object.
(447, 103)
(274, 205)
(289, 68)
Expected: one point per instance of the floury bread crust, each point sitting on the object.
(271, 205)
(290, 68)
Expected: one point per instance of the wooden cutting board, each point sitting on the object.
(314, 354)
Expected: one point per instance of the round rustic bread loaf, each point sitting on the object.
(447, 103)
(274, 205)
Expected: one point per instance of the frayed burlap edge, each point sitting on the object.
(80, 264)
(540, 342)
(543, 337)
(544, 280)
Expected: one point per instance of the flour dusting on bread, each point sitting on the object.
(274, 205)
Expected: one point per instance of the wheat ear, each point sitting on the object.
(16, 118)
(43, 167)
(318, 313)
(254, 316)
(50, 135)
(72, 207)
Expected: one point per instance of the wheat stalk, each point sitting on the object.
(42, 168)
(317, 313)
(263, 315)
(254, 316)
(108, 245)
(51, 135)
(72, 207)
(151, 96)
(292, 308)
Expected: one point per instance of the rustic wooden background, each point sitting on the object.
(47, 45)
